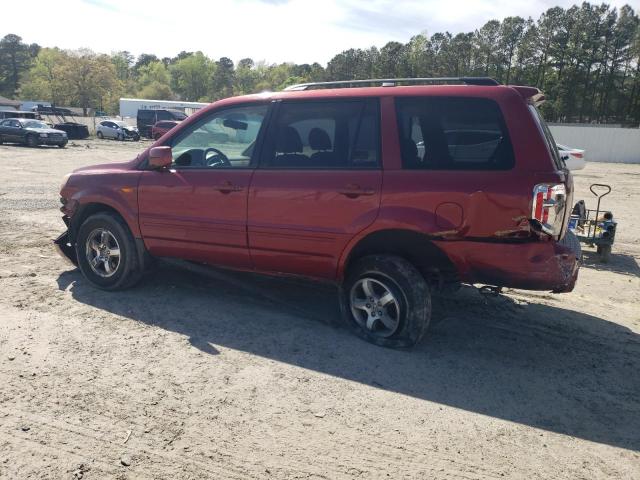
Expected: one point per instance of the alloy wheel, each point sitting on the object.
(103, 252)
(375, 307)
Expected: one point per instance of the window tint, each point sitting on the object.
(443, 133)
(324, 135)
(146, 114)
(224, 139)
(551, 143)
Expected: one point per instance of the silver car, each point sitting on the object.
(117, 129)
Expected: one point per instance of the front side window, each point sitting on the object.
(453, 133)
(324, 135)
(224, 139)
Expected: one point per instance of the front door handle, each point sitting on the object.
(354, 191)
(227, 187)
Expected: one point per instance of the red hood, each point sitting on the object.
(130, 165)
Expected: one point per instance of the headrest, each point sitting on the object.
(319, 139)
(288, 141)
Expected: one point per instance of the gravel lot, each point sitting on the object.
(196, 375)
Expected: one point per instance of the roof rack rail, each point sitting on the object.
(392, 82)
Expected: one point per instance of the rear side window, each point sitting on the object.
(551, 143)
(324, 135)
(453, 133)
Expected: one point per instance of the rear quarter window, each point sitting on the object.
(453, 133)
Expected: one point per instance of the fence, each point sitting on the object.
(602, 143)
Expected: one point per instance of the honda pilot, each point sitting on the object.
(392, 189)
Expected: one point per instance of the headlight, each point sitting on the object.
(44, 135)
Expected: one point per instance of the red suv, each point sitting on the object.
(392, 192)
(160, 128)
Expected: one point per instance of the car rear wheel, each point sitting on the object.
(386, 301)
(106, 252)
(99, 135)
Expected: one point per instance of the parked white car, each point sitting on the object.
(116, 129)
(573, 158)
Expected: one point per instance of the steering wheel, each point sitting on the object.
(219, 159)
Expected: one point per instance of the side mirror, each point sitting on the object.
(160, 157)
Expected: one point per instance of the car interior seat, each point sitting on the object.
(320, 141)
(289, 148)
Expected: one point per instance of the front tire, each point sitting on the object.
(106, 252)
(386, 301)
(31, 141)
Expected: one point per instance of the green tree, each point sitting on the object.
(190, 76)
(16, 58)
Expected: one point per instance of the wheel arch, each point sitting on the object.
(416, 247)
(84, 211)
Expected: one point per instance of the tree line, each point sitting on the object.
(585, 58)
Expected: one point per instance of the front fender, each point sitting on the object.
(119, 192)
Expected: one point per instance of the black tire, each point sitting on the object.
(99, 135)
(571, 241)
(408, 287)
(128, 271)
(62, 145)
(31, 141)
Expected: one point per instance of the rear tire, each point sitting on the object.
(386, 301)
(96, 253)
(100, 135)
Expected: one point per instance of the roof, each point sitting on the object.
(494, 92)
(6, 102)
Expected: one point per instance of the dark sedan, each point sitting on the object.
(31, 133)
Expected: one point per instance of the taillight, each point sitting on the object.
(575, 154)
(549, 203)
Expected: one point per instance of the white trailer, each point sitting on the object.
(129, 106)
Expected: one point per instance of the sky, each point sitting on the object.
(300, 31)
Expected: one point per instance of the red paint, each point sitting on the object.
(308, 221)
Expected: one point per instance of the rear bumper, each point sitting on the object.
(542, 265)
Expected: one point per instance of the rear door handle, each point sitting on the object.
(227, 187)
(354, 191)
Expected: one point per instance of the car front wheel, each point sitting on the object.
(31, 141)
(386, 301)
(106, 252)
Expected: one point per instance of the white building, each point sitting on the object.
(129, 106)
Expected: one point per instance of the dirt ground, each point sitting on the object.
(234, 376)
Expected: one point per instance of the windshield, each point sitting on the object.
(35, 124)
(121, 124)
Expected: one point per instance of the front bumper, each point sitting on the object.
(66, 250)
(541, 265)
(52, 140)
